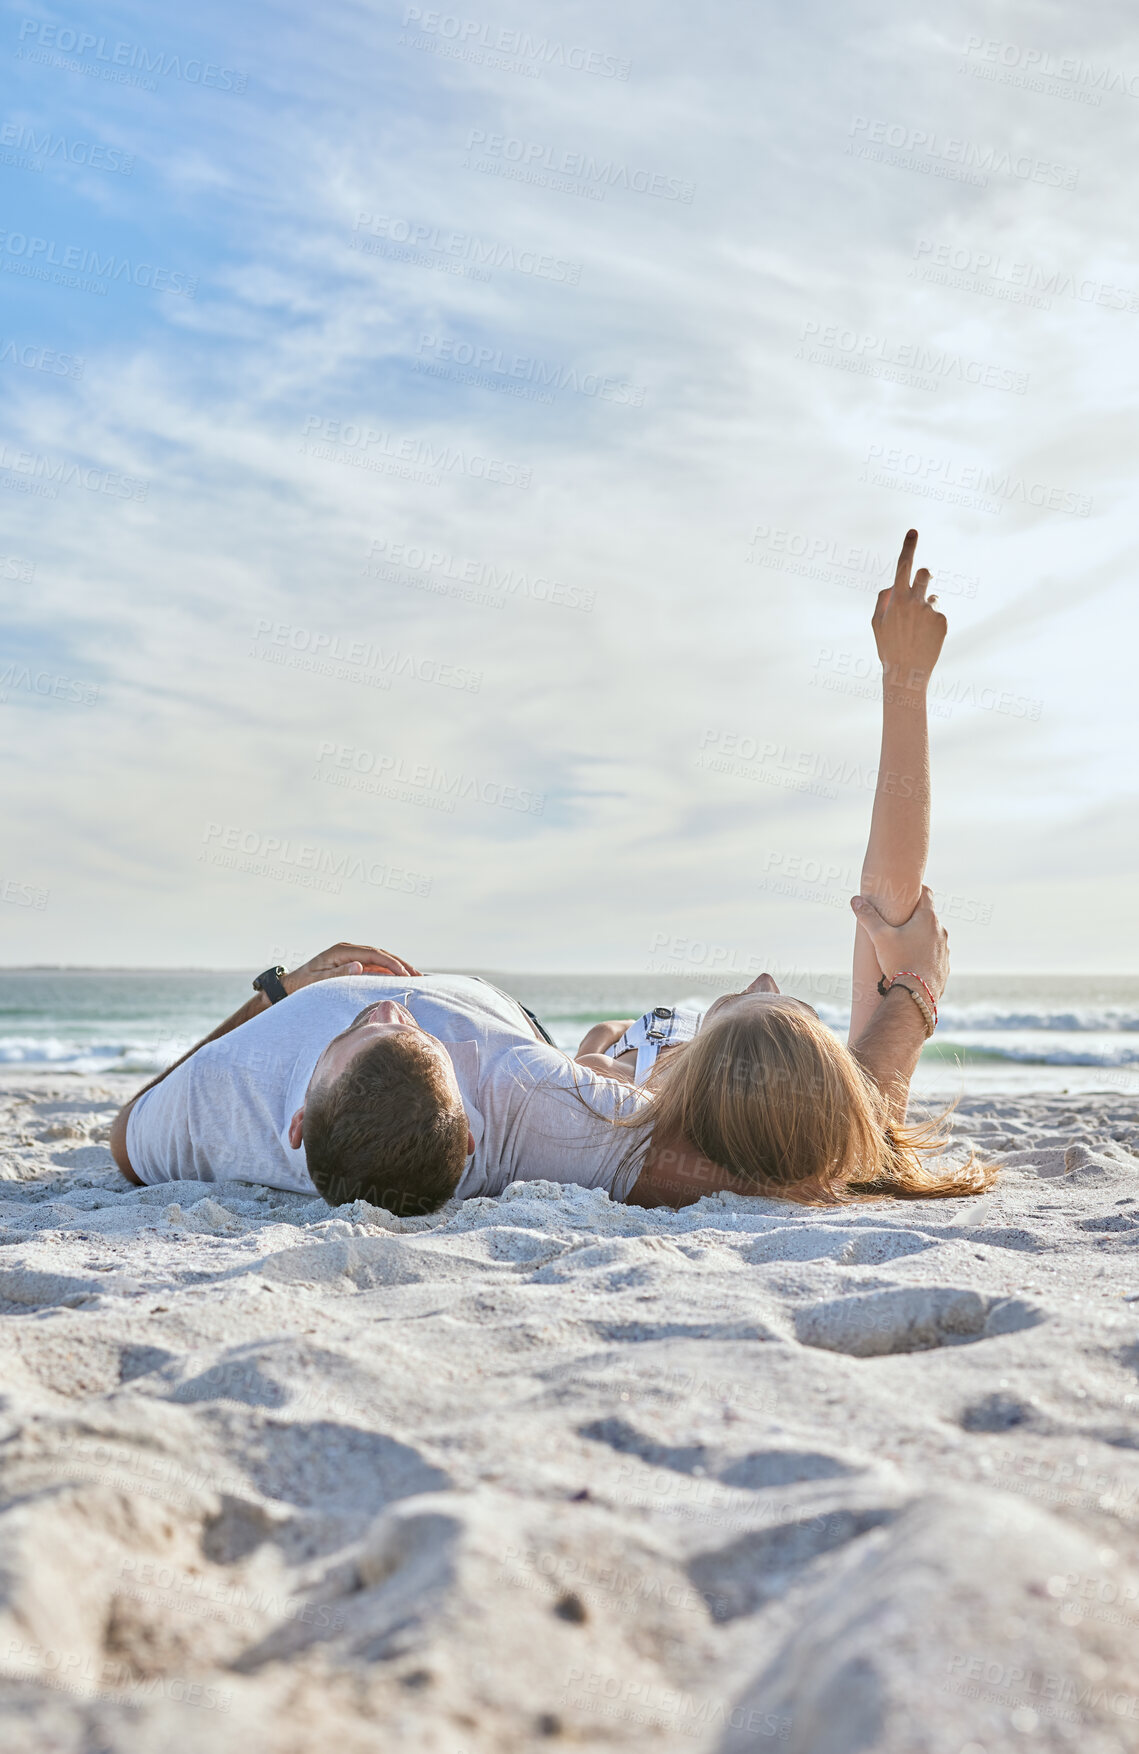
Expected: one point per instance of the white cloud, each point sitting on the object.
(651, 508)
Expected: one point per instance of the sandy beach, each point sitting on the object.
(544, 1471)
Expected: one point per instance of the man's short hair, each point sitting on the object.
(388, 1130)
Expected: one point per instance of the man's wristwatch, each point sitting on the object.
(271, 985)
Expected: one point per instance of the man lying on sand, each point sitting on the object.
(357, 1077)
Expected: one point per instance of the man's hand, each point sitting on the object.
(344, 959)
(921, 945)
(908, 631)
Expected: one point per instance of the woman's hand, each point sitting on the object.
(605, 1067)
(603, 1035)
(921, 945)
(908, 631)
(346, 959)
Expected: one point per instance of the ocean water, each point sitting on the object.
(998, 1032)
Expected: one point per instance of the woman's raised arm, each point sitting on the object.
(890, 1046)
(909, 632)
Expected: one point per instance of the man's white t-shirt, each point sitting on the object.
(535, 1115)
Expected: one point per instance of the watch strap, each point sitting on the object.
(271, 984)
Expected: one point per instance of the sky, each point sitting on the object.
(449, 460)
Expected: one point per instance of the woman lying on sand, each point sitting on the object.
(762, 1097)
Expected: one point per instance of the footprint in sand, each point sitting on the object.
(910, 1318)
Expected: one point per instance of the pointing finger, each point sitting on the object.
(906, 560)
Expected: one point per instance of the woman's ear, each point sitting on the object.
(296, 1129)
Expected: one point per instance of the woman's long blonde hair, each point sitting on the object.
(773, 1096)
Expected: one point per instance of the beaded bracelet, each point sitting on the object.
(885, 983)
(920, 1001)
(913, 974)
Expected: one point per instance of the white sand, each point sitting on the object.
(544, 1471)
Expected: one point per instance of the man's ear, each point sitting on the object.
(296, 1130)
(470, 1142)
